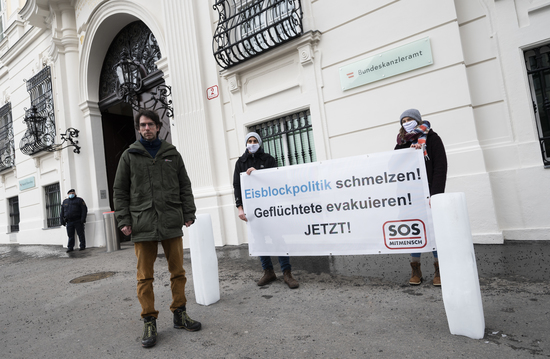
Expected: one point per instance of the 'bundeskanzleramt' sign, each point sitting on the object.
(390, 63)
(26, 183)
(368, 204)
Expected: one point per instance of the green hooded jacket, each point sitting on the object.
(153, 195)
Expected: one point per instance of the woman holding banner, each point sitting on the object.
(254, 158)
(415, 133)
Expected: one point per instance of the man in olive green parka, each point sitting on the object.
(153, 201)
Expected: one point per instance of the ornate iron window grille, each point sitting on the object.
(289, 139)
(39, 88)
(7, 147)
(53, 205)
(14, 214)
(246, 28)
(538, 68)
(130, 68)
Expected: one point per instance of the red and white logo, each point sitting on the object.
(212, 92)
(350, 75)
(405, 234)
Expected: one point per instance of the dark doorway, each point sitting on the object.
(118, 134)
(135, 43)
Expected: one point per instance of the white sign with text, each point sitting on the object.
(370, 204)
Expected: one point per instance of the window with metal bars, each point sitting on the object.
(289, 139)
(53, 205)
(14, 213)
(537, 62)
(2, 20)
(40, 135)
(7, 147)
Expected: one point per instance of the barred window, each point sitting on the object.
(40, 135)
(2, 16)
(7, 147)
(247, 28)
(53, 205)
(289, 139)
(537, 62)
(14, 213)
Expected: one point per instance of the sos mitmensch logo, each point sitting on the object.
(405, 234)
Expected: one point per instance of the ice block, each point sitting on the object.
(457, 264)
(204, 262)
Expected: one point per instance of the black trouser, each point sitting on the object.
(79, 226)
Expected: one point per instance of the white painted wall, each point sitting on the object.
(494, 36)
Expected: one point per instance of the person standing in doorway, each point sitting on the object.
(73, 215)
(415, 133)
(255, 158)
(153, 200)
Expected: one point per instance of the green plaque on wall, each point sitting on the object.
(26, 183)
(402, 59)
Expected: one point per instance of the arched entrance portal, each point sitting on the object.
(134, 44)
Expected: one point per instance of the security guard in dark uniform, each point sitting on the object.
(73, 215)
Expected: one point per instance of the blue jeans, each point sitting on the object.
(283, 261)
(418, 254)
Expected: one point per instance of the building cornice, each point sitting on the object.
(307, 40)
(39, 13)
(21, 45)
(36, 12)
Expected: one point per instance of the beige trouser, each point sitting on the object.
(146, 253)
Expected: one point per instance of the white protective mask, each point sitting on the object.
(409, 126)
(252, 147)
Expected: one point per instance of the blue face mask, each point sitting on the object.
(72, 195)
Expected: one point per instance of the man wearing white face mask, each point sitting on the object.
(254, 158)
(73, 215)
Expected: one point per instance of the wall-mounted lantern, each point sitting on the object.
(35, 123)
(39, 138)
(130, 75)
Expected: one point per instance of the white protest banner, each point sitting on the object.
(370, 204)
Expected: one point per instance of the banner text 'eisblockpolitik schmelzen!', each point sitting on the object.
(370, 204)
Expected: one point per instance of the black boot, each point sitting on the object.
(149, 338)
(182, 321)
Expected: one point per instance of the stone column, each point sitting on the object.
(190, 130)
(185, 72)
(81, 171)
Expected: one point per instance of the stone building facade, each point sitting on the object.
(217, 69)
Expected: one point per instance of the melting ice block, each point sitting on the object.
(204, 261)
(457, 265)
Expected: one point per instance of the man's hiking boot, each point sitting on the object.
(182, 321)
(149, 338)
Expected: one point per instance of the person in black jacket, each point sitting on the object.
(255, 158)
(73, 215)
(418, 134)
